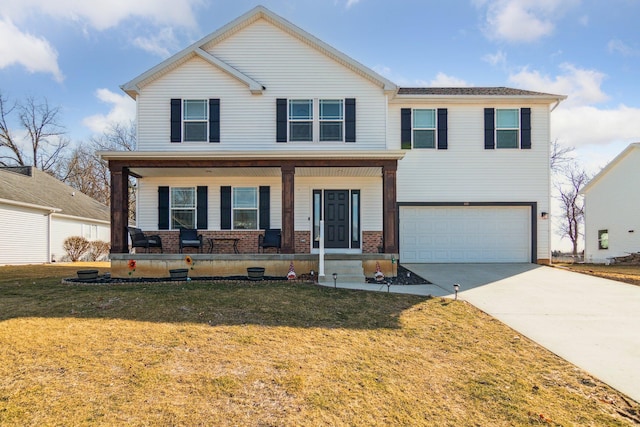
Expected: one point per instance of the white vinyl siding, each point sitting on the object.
(465, 234)
(25, 235)
(613, 204)
(63, 228)
(466, 172)
(281, 63)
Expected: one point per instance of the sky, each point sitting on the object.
(77, 53)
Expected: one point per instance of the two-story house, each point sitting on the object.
(261, 125)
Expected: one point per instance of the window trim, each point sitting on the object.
(234, 209)
(204, 121)
(316, 120)
(194, 208)
(517, 129)
(603, 244)
(434, 129)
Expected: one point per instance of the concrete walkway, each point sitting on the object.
(591, 322)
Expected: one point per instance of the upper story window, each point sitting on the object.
(331, 119)
(301, 120)
(316, 120)
(195, 119)
(603, 239)
(424, 128)
(245, 208)
(183, 207)
(507, 128)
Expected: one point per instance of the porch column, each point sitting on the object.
(389, 209)
(119, 208)
(288, 207)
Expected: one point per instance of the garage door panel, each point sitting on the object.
(465, 234)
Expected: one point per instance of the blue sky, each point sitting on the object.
(77, 53)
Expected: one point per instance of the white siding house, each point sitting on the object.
(261, 125)
(38, 213)
(612, 208)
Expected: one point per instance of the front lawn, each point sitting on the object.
(623, 273)
(267, 354)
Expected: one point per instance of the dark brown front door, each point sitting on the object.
(336, 218)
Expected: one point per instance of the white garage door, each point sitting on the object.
(465, 234)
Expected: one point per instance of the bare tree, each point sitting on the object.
(87, 172)
(559, 156)
(44, 142)
(571, 203)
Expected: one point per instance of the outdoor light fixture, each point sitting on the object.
(335, 278)
(312, 274)
(456, 288)
(544, 215)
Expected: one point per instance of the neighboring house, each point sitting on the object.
(261, 125)
(38, 213)
(612, 208)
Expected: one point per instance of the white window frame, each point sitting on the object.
(603, 239)
(517, 129)
(234, 208)
(173, 208)
(434, 128)
(185, 121)
(316, 120)
(339, 120)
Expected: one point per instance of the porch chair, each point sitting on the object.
(140, 240)
(270, 239)
(189, 238)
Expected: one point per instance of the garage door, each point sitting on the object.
(465, 234)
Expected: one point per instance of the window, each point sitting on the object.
(195, 119)
(424, 128)
(603, 239)
(245, 208)
(507, 128)
(301, 120)
(183, 207)
(331, 119)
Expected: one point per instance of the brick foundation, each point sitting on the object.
(371, 241)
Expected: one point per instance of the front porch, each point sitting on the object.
(155, 265)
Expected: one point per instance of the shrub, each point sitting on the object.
(75, 247)
(97, 250)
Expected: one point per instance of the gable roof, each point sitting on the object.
(198, 48)
(612, 164)
(28, 186)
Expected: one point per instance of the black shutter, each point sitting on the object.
(214, 120)
(350, 120)
(225, 208)
(442, 129)
(525, 126)
(405, 123)
(281, 120)
(176, 120)
(489, 129)
(265, 208)
(203, 205)
(163, 208)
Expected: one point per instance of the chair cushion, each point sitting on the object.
(190, 242)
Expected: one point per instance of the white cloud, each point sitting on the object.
(33, 53)
(123, 110)
(352, 2)
(102, 14)
(618, 46)
(498, 58)
(580, 85)
(522, 20)
(443, 80)
(160, 44)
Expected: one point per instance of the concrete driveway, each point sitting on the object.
(591, 322)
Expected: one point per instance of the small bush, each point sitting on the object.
(97, 250)
(76, 247)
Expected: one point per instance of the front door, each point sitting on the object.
(336, 218)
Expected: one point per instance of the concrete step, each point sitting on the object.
(348, 271)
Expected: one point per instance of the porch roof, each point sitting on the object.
(288, 155)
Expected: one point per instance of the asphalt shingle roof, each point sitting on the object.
(30, 185)
(470, 91)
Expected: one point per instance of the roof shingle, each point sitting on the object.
(472, 91)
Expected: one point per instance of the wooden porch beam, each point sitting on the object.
(389, 209)
(288, 209)
(119, 208)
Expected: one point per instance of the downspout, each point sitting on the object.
(49, 239)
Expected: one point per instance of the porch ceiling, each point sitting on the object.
(257, 172)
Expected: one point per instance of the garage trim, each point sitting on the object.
(533, 206)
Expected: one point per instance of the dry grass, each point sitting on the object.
(623, 273)
(273, 354)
